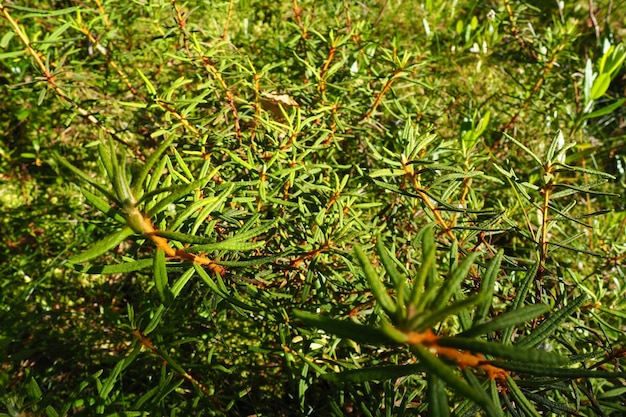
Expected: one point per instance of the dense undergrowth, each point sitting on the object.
(312, 208)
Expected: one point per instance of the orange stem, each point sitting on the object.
(141, 224)
(462, 358)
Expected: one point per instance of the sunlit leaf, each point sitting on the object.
(378, 288)
(102, 246)
(160, 277)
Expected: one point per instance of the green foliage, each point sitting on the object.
(191, 195)
(408, 321)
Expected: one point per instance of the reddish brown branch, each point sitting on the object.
(463, 359)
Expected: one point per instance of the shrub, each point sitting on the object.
(227, 168)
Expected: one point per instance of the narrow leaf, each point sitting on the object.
(259, 260)
(85, 177)
(508, 319)
(443, 371)
(191, 210)
(110, 381)
(160, 277)
(494, 390)
(215, 288)
(550, 325)
(374, 373)
(157, 316)
(103, 206)
(122, 268)
(452, 283)
(252, 233)
(228, 245)
(398, 280)
(184, 237)
(147, 82)
(607, 109)
(181, 191)
(143, 174)
(209, 208)
(376, 285)
(487, 285)
(514, 353)
(183, 165)
(558, 143)
(424, 322)
(522, 291)
(520, 399)
(556, 372)
(436, 396)
(106, 157)
(586, 188)
(427, 272)
(343, 328)
(6, 38)
(570, 168)
(525, 149)
(396, 277)
(600, 85)
(102, 246)
(178, 286)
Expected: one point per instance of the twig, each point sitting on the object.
(59, 91)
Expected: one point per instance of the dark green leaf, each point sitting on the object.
(437, 397)
(343, 328)
(551, 324)
(508, 319)
(556, 372)
(374, 373)
(520, 399)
